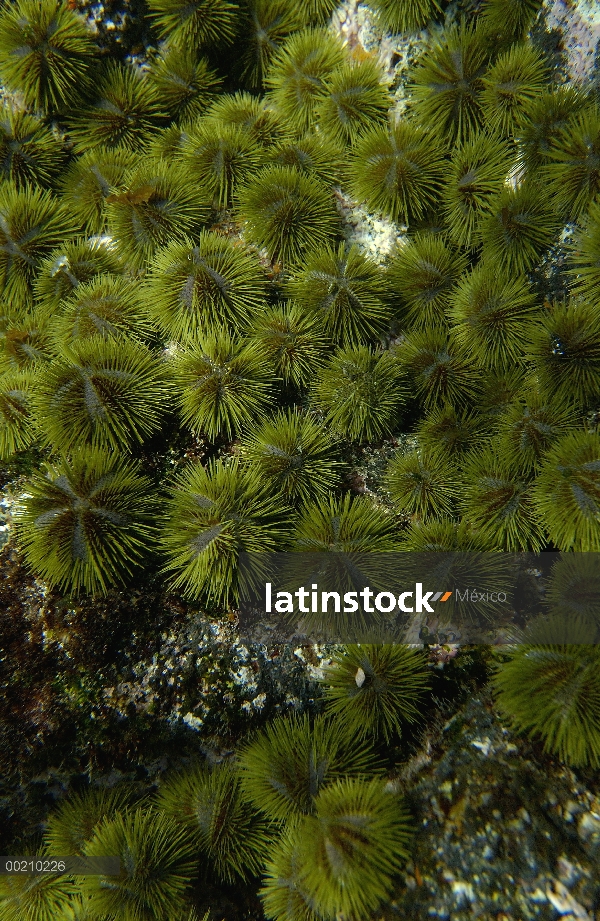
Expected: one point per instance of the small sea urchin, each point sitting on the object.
(493, 310)
(345, 856)
(344, 289)
(221, 510)
(396, 170)
(361, 393)
(498, 503)
(422, 483)
(86, 523)
(46, 51)
(475, 176)
(223, 384)
(220, 821)
(287, 212)
(565, 348)
(218, 158)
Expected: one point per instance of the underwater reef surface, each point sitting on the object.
(283, 275)
(499, 835)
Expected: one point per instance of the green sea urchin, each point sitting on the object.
(25, 341)
(86, 523)
(222, 824)
(396, 170)
(102, 392)
(70, 265)
(585, 258)
(393, 681)
(422, 483)
(29, 151)
(565, 348)
(195, 287)
(498, 503)
(43, 897)
(453, 431)
(293, 342)
(46, 51)
(268, 24)
(475, 176)
(345, 525)
(156, 205)
(126, 111)
(346, 855)
(157, 863)
(438, 366)
(492, 310)
(509, 19)
(287, 212)
(220, 510)
(218, 158)
(73, 824)
(553, 693)
(573, 175)
(447, 82)
(16, 432)
(195, 24)
(511, 85)
(543, 120)
(90, 180)
(519, 227)
(286, 765)
(356, 99)
(421, 277)
(295, 454)
(184, 83)
(313, 154)
(407, 16)
(361, 393)
(530, 426)
(297, 78)
(345, 289)
(107, 306)
(252, 114)
(32, 223)
(223, 383)
(566, 492)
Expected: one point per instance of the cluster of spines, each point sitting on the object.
(222, 320)
(301, 782)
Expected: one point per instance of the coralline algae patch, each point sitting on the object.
(579, 24)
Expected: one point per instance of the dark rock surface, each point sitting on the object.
(503, 832)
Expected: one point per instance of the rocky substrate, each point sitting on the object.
(503, 832)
